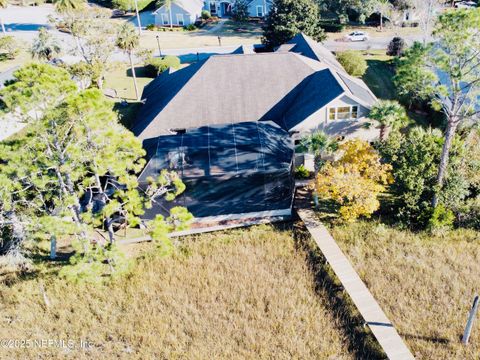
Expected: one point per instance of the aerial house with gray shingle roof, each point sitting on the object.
(299, 88)
(294, 90)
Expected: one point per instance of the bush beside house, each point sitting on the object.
(155, 66)
(353, 62)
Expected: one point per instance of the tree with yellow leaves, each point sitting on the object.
(355, 180)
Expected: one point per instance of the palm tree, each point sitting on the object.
(168, 5)
(45, 46)
(128, 40)
(138, 18)
(3, 5)
(390, 114)
(64, 6)
(317, 144)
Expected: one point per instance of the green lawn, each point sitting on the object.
(379, 78)
(246, 30)
(119, 78)
(379, 75)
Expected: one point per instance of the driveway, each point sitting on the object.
(24, 21)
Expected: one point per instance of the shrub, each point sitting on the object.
(9, 48)
(355, 180)
(190, 27)
(301, 172)
(415, 158)
(469, 214)
(441, 218)
(332, 27)
(396, 47)
(353, 62)
(206, 15)
(155, 66)
(151, 27)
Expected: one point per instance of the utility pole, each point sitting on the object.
(471, 319)
(158, 43)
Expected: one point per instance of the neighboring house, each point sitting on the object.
(301, 92)
(410, 15)
(222, 8)
(181, 13)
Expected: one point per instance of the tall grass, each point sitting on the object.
(244, 294)
(425, 283)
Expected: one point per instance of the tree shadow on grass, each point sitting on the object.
(140, 72)
(127, 113)
(379, 78)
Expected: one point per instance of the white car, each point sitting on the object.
(357, 36)
(466, 5)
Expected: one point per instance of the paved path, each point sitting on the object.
(381, 327)
(218, 26)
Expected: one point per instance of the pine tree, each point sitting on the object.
(76, 172)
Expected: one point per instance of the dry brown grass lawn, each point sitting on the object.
(244, 294)
(425, 283)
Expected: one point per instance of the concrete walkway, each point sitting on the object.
(381, 327)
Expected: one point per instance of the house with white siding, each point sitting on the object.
(222, 8)
(180, 13)
(300, 87)
(186, 12)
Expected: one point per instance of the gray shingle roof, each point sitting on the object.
(222, 89)
(190, 6)
(283, 86)
(358, 89)
(306, 46)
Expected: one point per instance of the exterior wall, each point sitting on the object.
(343, 128)
(206, 6)
(252, 7)
(187, 17)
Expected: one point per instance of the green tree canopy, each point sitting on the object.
(447, 73)
(353, 62)
(390, 114)
(76, 173)
(45, 46)
(287, 18)
(415, 158)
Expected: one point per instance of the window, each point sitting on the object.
(343, 113)
(260, 11)
(354, 112)
(164, 19)
(331, 114)
(213, 8)
(180, 19)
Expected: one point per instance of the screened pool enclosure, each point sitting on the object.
(227, 169)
